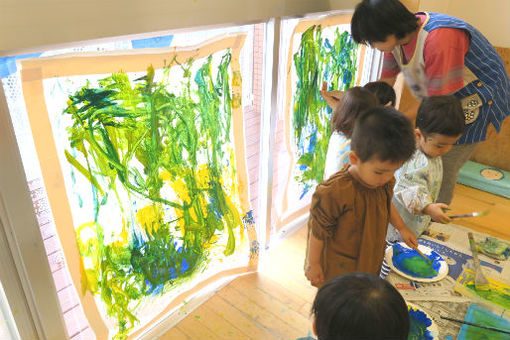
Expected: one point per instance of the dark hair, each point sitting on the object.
(360, 306)
(355, 101)
(385, 133)
(442, 115)
(375, 20)
(383, 91)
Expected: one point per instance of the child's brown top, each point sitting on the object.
(352, 221)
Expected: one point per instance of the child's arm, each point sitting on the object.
(413, 189)
(407, 235)
(313, 268)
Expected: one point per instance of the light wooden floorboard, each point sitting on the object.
(275, 302)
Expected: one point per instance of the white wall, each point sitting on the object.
(27, 25)
(491, 17)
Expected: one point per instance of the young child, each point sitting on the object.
(360, 306)
(439, 124)
(383, 91)
(350, 211)
(354, 101)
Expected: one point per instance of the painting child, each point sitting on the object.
(354, 101)
(360, 306)
(439, 124)
(350, 211)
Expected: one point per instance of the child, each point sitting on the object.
(439, 124)
(354, 101)
(360, 306)
(383, 91)
(350, 211)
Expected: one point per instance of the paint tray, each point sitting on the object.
(478, 315)
(497, 298)
(485, 178)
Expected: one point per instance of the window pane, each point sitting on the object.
(314, 50)
(139, 161)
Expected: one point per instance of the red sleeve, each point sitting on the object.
(390, 67)
(443, 53)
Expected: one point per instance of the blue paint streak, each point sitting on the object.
(163, 41)
(419, 323)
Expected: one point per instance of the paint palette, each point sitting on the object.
(409, 264)
(422, 326)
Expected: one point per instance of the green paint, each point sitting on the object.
(499, 295)
(135, 141)
(318, 60)
(485, 318)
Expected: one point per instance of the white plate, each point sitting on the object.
(433, 329)
(443, 266)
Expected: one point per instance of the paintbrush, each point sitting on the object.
(494, 329)
(481, 282)
(473, 214)
(429, 261)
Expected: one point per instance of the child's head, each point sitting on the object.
(439, 124)
(383, 91)
(360, 306)
(354, 101)
(382, 23)
(382, 140)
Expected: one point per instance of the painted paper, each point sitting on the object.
(143, 160)
(497, 295)
(320, 51)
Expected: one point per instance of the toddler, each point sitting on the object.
(350, 211)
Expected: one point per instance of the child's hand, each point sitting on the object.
(331, 97)
(314, 273)
(409, 237)
(436, 212)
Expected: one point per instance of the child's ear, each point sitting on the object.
(417, 133)
(353, 158)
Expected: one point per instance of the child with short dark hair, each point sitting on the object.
(350, 211)
(383, 91)
(354, 101)
(439, 124)
(360, 306)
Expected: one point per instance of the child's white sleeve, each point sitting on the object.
(412, 187)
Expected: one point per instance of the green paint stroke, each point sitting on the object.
(135, 141)
(480, 316)
(318, 60)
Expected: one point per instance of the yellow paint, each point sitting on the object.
(149, 217)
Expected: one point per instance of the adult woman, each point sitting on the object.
(438, 55)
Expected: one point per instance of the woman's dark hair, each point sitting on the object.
(383, 91)
(360, 306)
(385, 133)
(375, 20)
(355, 101)
(441, 115)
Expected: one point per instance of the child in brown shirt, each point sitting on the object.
(350, 211)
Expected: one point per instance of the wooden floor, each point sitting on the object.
(275, 302)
